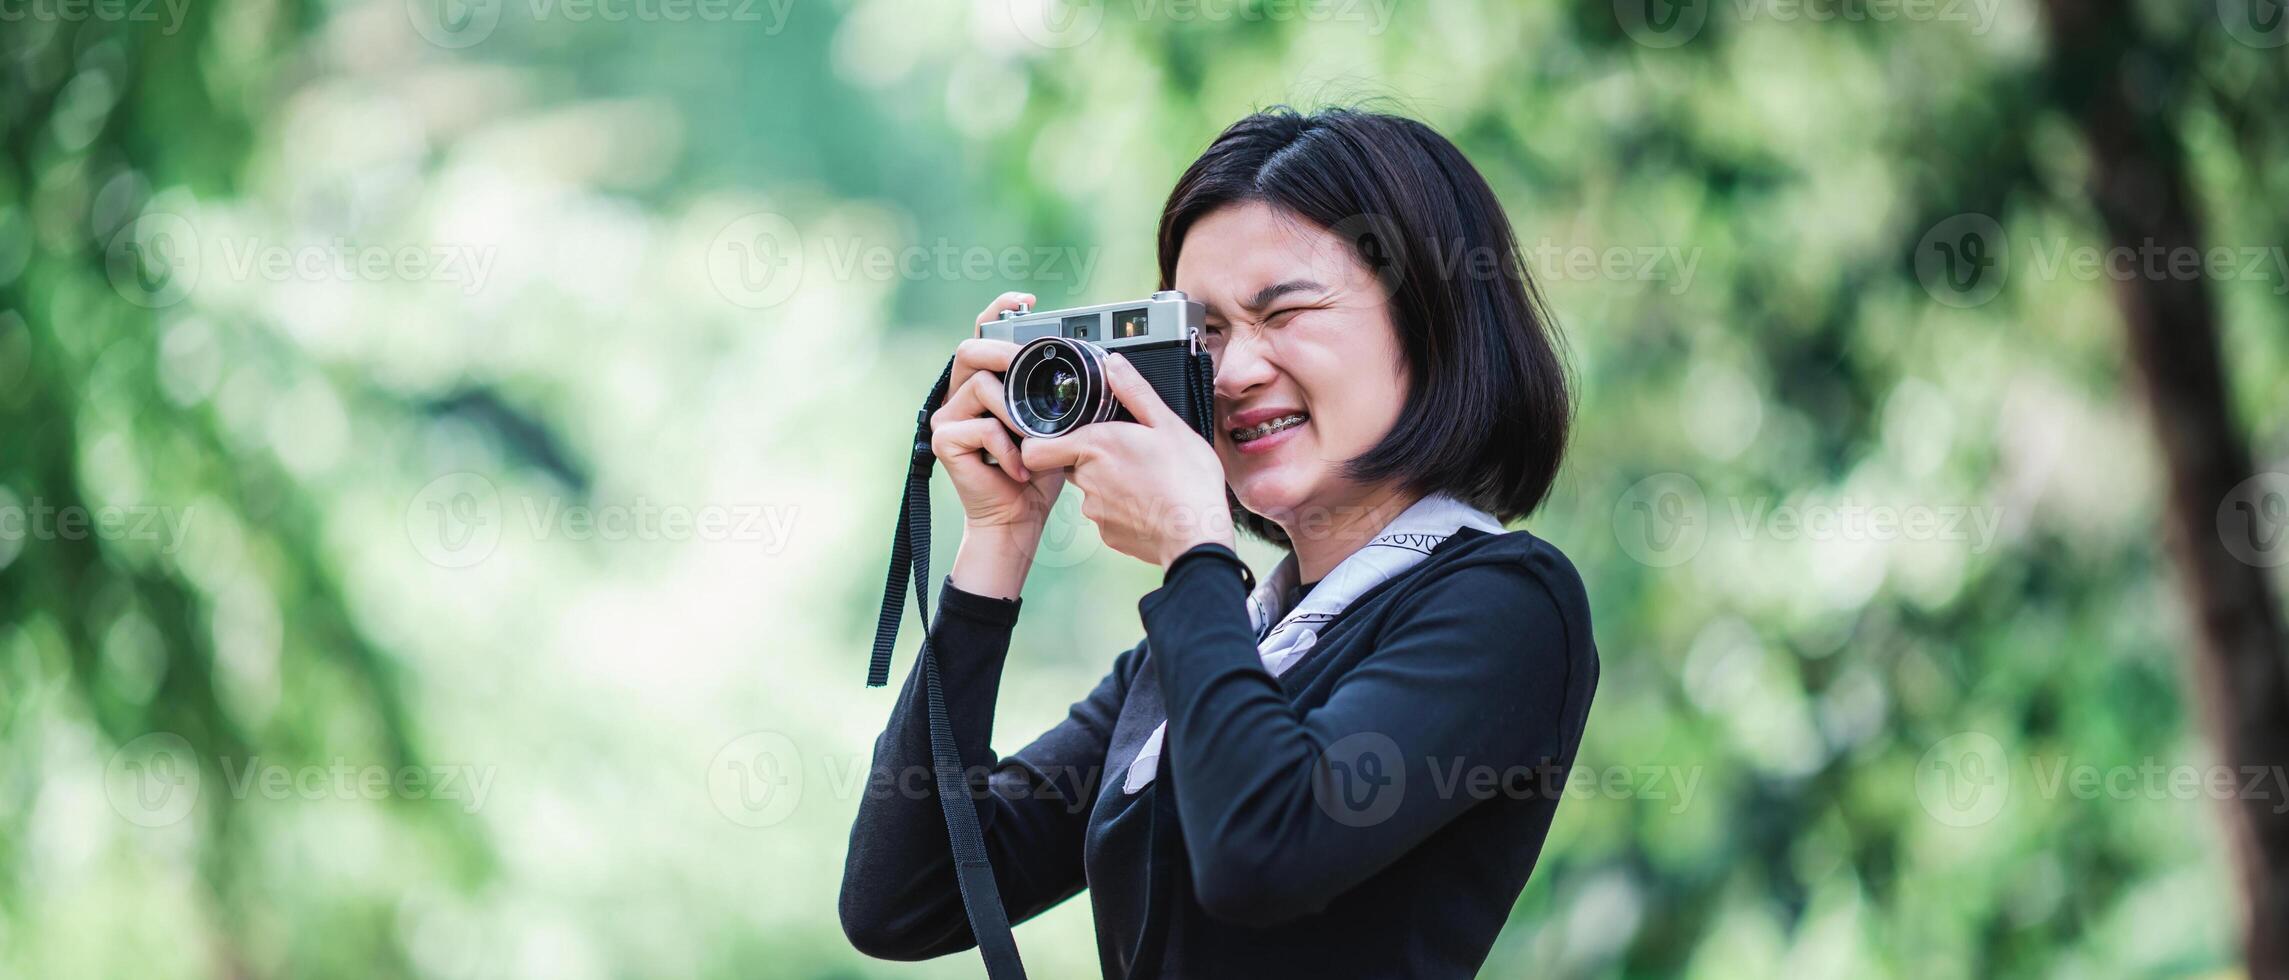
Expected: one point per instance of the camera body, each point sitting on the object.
(1056, 382)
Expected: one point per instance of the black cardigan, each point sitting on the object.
(1373, 812)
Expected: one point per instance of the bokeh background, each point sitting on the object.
(484, 423)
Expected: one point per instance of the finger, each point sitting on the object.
(1005, 301)
(980, 396)
(961, 404)
(979, 354)
(994, 397)
(1137, 396)
(1043, 455)
(1001, 449)
(956, 450)
(969, 438)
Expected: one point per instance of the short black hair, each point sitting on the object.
(1488, 405)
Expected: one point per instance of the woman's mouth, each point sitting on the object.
(1262, 436)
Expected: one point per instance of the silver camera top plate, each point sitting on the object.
(1168, 316)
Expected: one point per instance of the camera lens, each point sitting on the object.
(1051, 388)
(1056, 384)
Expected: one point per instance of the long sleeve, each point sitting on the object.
(1283, 810)
(900, 899)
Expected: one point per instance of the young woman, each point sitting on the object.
(1348, 769)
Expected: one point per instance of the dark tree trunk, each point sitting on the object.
(2115, 87)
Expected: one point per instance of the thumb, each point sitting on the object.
(1137, 395)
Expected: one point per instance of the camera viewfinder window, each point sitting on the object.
(1131, 323)
(1081, 327)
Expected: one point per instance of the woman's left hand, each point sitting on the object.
(1154, 487)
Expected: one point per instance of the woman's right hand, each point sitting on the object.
(1001, 499)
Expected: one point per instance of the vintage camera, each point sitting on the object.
(1056, 383)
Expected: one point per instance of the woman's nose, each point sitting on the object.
(1241, 367)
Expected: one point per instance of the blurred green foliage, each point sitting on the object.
(394, 311)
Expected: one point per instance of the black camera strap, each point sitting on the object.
(910, 555)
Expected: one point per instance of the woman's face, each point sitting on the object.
(1308, 368)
